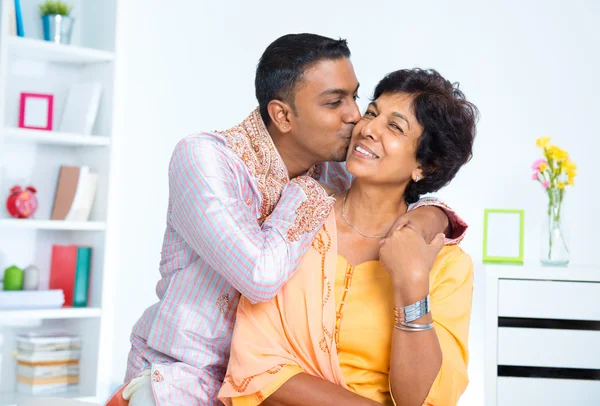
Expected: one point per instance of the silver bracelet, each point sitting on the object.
(412, 312)
(413, 326)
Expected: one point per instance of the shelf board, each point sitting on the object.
(53, 224)
(28, 48)
(47, 314)
(54, 137)
(14, 399)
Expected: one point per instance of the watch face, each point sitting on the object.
(26, 204)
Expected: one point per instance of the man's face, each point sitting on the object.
(325, 102)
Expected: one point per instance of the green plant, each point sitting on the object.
(55, 7)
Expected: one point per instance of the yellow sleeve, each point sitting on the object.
(257, 398)
(451, 300)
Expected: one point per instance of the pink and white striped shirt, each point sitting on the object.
(236, 224)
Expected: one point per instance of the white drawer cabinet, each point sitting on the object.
(542, 340)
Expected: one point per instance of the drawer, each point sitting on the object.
(559, 392)
(548, 348)
(549, 299)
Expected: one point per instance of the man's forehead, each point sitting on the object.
(329, 75)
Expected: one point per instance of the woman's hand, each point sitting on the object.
(409, 259)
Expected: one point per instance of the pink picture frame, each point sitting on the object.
(35, 111)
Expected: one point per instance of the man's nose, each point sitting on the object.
(353, 115)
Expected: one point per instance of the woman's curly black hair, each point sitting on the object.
(448, 122)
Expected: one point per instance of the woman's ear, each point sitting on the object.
(417, 175)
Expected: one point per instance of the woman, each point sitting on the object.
(373, 315)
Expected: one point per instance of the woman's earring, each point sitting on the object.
(416, 178)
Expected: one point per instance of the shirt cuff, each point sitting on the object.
(458, 225)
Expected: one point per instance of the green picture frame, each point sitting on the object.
(496, 255)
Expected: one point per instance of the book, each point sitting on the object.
(47, 371)
(82, 273)
(75, 193)
(12, 19)
(19, 18)
(49, 357)
(81, 108)
(62, 270)
(68, 178)
(47, 342)
(31, 299)
(84, 196)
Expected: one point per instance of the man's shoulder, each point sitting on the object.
(206, 139)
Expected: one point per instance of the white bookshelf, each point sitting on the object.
(22, 135)
(19, 316)
(52, 225)
(33, 157)
(15, 399)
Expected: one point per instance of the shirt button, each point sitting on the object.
(157, 376)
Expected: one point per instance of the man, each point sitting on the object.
(244, 206)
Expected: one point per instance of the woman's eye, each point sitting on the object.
(396, 127)
(370, 113)
(334, 103)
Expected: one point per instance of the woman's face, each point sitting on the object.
(384, 142)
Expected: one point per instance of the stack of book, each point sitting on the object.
(48, 363)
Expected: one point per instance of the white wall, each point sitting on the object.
(531, 68)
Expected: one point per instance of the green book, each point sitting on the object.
(82, 276)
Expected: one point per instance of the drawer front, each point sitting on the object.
(550, 392)
(549, 348)
(549, 299)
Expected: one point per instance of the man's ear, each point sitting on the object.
(280, 113)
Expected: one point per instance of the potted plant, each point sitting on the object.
(57, 22)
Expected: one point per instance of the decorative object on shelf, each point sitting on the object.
(75, 193)
(35, 111)
(31, 278)
(21, 203)
(503, 236)
(554, 172)
(13, 278)
(81, 108)
(18, 18)
(57, 22)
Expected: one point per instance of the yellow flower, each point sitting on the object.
(570, 165)
(560, 185)
(571, 181)
(543, 167)
(556, 153)
(542, 142)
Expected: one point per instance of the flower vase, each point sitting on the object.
(554, 238)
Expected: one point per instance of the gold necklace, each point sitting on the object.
(354, 228)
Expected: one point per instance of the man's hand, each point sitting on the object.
(428, 221)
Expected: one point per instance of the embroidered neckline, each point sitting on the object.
(253, 144)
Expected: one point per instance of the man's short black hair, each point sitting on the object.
(283, 63)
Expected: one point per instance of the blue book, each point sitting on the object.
(82, 276)
(20, 31)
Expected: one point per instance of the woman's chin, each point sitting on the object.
(357, 170)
